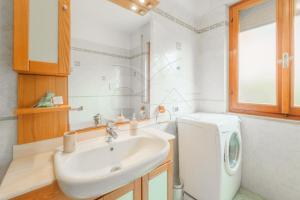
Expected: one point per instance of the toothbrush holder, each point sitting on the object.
(69, 142)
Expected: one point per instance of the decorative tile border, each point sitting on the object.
(100, 53)
(212, 27)
(188, 26)
(108, 54)
(173, 19)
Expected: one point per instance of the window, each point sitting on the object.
(265, 57)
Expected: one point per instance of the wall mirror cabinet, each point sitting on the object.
(41, 57)
(42, 37)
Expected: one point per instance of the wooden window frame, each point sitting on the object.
(284, 83)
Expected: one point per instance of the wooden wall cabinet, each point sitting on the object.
(42, 37)
(41, 57)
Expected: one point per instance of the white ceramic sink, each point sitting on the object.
(96, 167)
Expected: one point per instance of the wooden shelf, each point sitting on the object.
(27, 111)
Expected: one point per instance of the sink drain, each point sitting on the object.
(114, 169)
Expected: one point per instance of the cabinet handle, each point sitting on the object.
(65, 7)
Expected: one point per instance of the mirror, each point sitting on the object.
(110, 64)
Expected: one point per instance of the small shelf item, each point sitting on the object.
(27, 111)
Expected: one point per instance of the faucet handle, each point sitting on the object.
(97, 119)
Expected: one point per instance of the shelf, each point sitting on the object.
(27, 111)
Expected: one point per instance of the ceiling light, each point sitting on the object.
(134, 7)
(142, 1)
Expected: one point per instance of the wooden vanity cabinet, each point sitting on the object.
(158, 184)
(41, 37)
(132, 191)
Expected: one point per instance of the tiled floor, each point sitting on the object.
(242, 195)
(246, 195)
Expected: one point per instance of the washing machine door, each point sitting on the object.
(233, 153)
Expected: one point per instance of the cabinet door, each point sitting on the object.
(159, 183)
(42, 36)
(131, 191)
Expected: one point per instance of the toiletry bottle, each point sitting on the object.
(133, 125)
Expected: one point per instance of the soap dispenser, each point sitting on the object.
(133, 125)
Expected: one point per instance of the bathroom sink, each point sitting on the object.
(98, 167)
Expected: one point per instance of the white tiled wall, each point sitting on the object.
(173, 73)
(8, 88)
(271, 158)
(271, 151)
(173, 80)
(211, 62)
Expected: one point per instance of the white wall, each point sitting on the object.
(271, 150)
(8, 88)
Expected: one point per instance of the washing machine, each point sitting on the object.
(210, 155)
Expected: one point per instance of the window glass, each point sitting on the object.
(43, 31)
(297, 54)
(257, 54)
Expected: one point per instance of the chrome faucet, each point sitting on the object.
(111, 132)
(97, 120)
